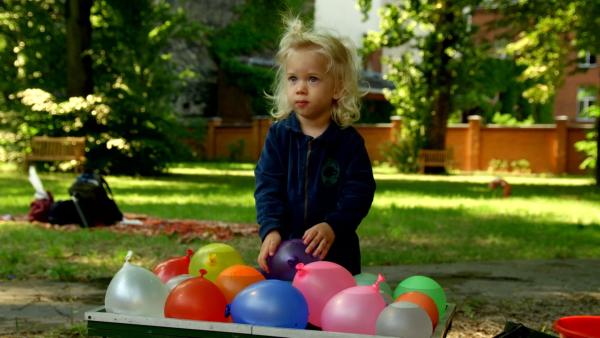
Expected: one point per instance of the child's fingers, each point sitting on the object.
(262, 260)
(310, 246)
(322, 249)
(308, 236)
(272, 248)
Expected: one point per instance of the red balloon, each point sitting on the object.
(235, 278)
(196, 298)
(173, 267)
(423, 301)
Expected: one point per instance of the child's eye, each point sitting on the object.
(313, 79)
(292, 79)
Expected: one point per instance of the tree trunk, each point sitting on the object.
(442, 81)
(79, 38)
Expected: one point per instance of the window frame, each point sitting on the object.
(587, 61)
(584, 102)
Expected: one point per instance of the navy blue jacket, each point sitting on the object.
(302, 181)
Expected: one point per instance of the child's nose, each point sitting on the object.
(301, 87)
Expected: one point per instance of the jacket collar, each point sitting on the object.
(292, 123)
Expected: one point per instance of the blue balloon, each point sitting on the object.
(270, 303)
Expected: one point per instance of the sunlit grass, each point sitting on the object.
(414, 219)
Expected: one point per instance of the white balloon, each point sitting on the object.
(175, 280)
(134, 290)
(404, 320)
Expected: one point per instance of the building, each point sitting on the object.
(579, 90)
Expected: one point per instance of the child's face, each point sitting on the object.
(310, 88)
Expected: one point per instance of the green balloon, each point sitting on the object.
(367, 278)
(425, 285)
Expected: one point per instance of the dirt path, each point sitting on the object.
(487, 295)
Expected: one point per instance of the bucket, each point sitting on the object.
(578, 327)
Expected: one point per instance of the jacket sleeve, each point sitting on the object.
(269, 193)
(356, 193)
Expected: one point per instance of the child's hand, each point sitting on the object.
(268, 247)
(318, 239)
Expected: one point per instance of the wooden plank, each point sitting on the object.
(101, 323)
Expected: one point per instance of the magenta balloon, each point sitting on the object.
(318, 282)
(282, 265)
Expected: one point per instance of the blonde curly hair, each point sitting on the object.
(343, 66)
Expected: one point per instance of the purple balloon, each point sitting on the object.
(282, 265)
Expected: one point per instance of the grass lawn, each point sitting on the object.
(414, 219)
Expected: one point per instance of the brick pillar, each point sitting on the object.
(560, 152)
(260, 126)
(396, 128)
(473, 143)
(211, 142)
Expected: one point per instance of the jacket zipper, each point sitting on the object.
(306, 185)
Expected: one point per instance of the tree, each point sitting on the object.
(543, 36)
(134, 130)
(546, 32)
(435, 65)
(79, 42)
(255, 33)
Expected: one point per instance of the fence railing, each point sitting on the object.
(542, 148)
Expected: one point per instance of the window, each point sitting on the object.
(587, 60)
(586, 98)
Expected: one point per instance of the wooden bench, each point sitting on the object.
(46, 148)
(434, 158)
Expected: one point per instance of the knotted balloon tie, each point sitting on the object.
(128, 256)
(227, 310)
(188, 255)
(377, 282)
(292, 262)
(300, 270)
(202, 272)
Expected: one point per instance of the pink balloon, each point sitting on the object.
(354, 310)
(318, 282)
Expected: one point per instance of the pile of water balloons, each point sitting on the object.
(214, 284)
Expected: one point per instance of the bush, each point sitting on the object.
(402, 154)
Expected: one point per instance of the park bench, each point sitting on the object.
(47, 148)
(434, 158)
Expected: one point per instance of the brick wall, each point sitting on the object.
(548, 148)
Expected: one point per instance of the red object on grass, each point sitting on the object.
(578, 327)
(173, 267)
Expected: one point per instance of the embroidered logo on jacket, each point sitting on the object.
(330, 173)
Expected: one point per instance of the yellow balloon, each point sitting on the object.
(214, 258)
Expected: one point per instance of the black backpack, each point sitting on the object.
(91, 203)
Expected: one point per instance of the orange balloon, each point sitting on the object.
(196, 298)
(423, 301)
(235, 278)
